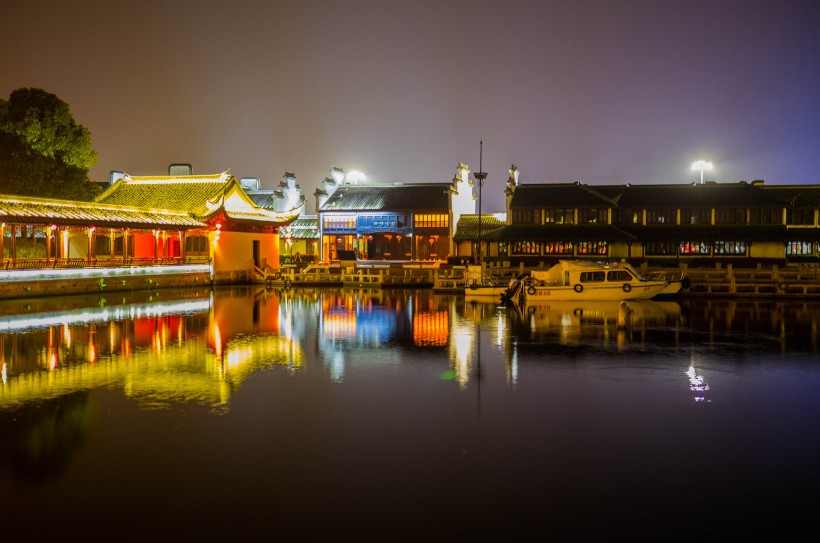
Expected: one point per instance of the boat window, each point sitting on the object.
(618, 276)
(592, 277)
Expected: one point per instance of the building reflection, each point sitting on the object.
(156, 352)
(200, 347)
(353, 324)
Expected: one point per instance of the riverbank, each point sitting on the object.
(791, 282)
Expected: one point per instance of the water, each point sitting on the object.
(405, 415)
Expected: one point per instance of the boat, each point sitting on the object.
(588, 280)
(481, 285)
(676, 281)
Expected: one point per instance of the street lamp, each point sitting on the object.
(480, 176)
(702, 165)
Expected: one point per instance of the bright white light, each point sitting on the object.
(702, 165)
(356, 176)
(84, 273)
(15, 323)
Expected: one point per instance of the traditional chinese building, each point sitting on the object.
(236, 233)
(380, 221)
(171, 221)
(741, 223)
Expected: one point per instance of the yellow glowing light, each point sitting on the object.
(217, 341)
(237, 356)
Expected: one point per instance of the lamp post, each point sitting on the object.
(480, 176)
(702, 165)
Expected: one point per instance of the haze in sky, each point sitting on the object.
(603, 91)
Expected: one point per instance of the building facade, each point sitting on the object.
(697, 224)
(176, 219)
(398, 222)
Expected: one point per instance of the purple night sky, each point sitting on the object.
(603, 91)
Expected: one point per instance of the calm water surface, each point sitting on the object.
(406, 415)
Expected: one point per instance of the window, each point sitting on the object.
(196, 244)
(800, 248)
(340, 222)
(618, 276)
(769, 215)
(661, 248)
(526, 248)
(592, 216)
(696, 216)
(730, 248)
(695, 248)
(102, 245)
(558, 248)
(592, 277)
(730, 216)
(660, 216)
(628, 216)
(800, 216)
(592, 247)
(432, 220)
(559, 216)
(525, 216)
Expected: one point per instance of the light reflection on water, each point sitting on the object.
(318, 407)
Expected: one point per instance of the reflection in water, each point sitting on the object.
(169, 351)
(367, 394)
(697, 384)
(200, 350)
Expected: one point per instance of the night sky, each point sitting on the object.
(591, 91)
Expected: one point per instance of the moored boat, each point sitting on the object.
(586, 280)
(480, 285)
(676, 281)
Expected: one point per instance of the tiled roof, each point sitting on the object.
(69, 212)
(560, 195)
(383, 197)
(467, 229)
(795, 195)
(803, 234)
(305, 227)
(179, 193)
(728, 232)
(262, 199)
(708, 195)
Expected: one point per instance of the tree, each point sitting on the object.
(43, 151)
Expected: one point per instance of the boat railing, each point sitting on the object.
(536, 282)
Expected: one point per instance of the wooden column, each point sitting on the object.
(49, 230)
(182, 246)
(13, 244)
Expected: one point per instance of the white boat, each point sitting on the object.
(676, 281)
(480, 285)
(586, 280)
